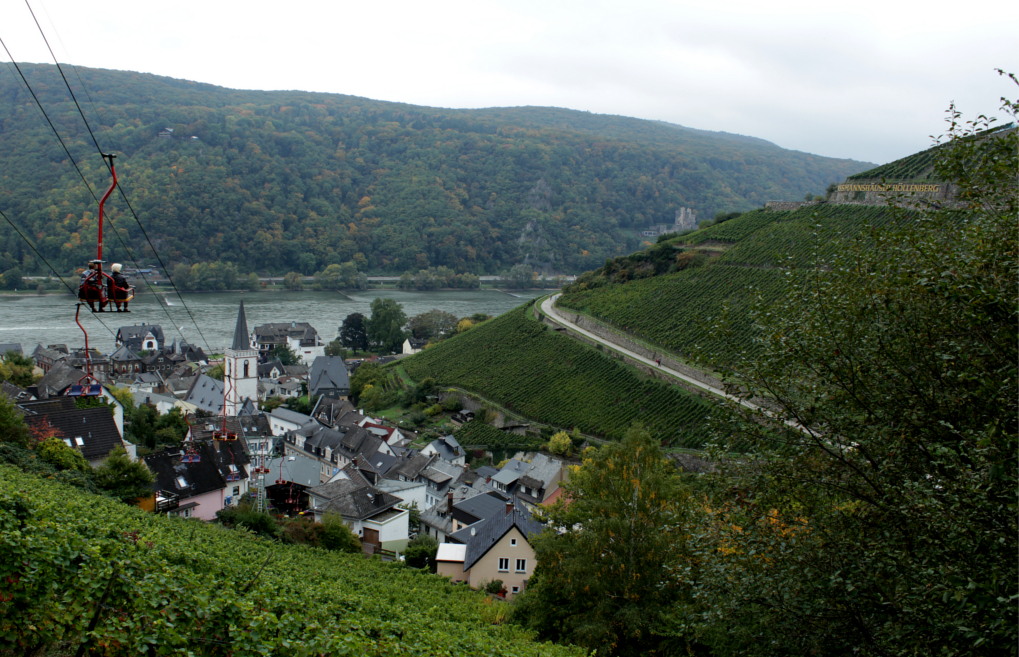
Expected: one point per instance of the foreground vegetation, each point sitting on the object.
(160, 585)
(532, 370)
(875, 512)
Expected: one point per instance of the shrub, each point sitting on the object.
(54, 451)
(337, 535)
(420, 552)
(560, 444)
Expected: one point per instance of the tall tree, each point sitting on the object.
(354, 332)
(385, 328)
(610, 562)
(878, 515)
(432, 324)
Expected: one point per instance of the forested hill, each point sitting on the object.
(288, 180)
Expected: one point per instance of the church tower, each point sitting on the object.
(241, 375)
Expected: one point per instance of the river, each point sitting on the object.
(49, 319)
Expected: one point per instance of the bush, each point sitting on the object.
(56, 452)
(452, 404)
(243, 515)
(495, 587)
(434, 410)
(560, 444)
(420, 552)
(337, 535)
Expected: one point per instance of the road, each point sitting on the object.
(548, 307)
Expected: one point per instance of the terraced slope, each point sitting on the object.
(183, 587)
(754, 255)
(520, 364)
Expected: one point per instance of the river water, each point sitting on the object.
(49, 319)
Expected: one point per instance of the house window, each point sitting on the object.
(245, 369)
(503, 565)
(521, 565)
(513, 542)
(67, 441)
(237, 491)
(182, 482)
(516, 589)
(79, 441)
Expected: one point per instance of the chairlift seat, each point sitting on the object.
(76, 391)
(233, 476)
(123, 294)
(191, 458)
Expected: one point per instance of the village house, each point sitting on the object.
(301, 337)
(328, 376)
(91, 431)
(372, 514)
(141, 337)
(498, 548)
(200, 488)
(446, 448)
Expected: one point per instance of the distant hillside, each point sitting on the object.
(179, 586)
(288, 180)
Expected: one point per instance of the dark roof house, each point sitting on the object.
(328, 376)
(141, 337)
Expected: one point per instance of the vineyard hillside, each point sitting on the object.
(530, 369)
(158, 585)
(692, 295)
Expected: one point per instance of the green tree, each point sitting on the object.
(12, 425)
(123, 478)
(420, 552)
(11, 279)
(252, 282)
(337, 535)
(365, 375)
(611, 562)
(354, 332)
(434, 324)
(293, 281)
(335, 348)
(521, 276)
(217, 372)
(284, 354)
(878, 514)
(385, 327)
(560, 444)
(17, 368)
(57, 453)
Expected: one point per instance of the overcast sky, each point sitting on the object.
(868, 80)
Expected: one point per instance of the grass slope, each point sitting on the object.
(520, 364)
(756, 255)
(182, 587)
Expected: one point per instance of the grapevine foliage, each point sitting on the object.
(176, 586)
(769, 251)
(551, 378)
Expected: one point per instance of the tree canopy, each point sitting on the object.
(877, 514)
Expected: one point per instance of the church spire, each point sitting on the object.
(241, 332)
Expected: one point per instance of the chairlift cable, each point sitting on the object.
(121, 189)
(43, 258)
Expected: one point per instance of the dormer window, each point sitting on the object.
(67, 441)
(233, 468)
(79, 441)
(182, 482)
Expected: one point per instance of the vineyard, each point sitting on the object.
(919, 166)
(76, 567)
(769, 250)
(477, 432)
(551, 378)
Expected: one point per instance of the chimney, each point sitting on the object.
(509, 507)
(449, 502)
